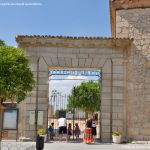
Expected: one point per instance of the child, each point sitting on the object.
(69, 131)
(77, 131)
(51, 131)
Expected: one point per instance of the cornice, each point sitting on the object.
(73, 42)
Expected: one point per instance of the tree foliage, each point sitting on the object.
(2, 43)
(61, 112)
(16, 78)
(85, 97)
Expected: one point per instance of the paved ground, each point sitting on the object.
(73, 146)
(95, 146)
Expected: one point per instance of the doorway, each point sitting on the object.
(62, 82)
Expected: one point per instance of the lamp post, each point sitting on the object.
(54, 95)
(57, 101)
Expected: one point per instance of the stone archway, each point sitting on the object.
(78, 52)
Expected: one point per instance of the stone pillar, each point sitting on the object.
(39, 97)
(119, 97)
(113, 106)
(106, 101)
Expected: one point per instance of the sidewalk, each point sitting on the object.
(95, 146)
(73, 146)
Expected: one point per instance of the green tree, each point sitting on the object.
(85, 97)
(2, 43)
(60, 112)
(16, 78)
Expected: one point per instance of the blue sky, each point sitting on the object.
(54, 17)
(65, 86)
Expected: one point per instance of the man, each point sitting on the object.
(62, 124)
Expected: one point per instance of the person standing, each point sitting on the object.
(69, 131)
(51, 131)
(88, 138)
(62, 125)
(89, 123)
(94, 132)
(77, 131)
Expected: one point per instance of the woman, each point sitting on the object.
(94, 132)
(88, 132)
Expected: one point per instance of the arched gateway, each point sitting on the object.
(124, 62)
(108, 54)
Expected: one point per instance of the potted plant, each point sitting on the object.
(116, 136)
(42, 132)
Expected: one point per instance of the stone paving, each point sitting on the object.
(95, 146)
(73, 146)
(7, 145)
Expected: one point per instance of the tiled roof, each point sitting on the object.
(71, 41)
(69, 37)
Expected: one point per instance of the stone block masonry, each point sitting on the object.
(135, 23)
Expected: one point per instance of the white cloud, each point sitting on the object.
(77, 77)
(65, 86)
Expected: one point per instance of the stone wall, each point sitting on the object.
(109, 55)
(113, 110)
(31, 101)
(135, 23)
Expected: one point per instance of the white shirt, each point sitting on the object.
(94, 124)
(62, 122)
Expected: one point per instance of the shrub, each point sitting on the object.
(41, 132)
(116, 133)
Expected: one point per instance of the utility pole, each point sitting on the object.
(73, 109)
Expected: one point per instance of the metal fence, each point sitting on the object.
(58, 105)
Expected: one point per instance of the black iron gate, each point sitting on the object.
(58, 105)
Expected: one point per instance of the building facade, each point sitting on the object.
(123, 60)
(131, 18)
